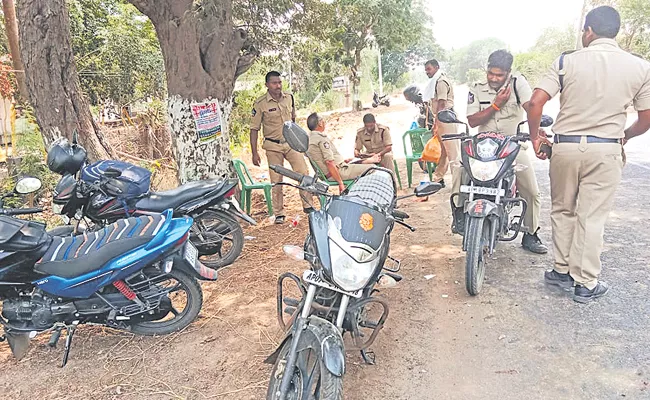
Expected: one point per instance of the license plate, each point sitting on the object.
(482, 190)
(312, 277)
(190, 254)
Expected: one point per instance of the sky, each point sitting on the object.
(517, 22)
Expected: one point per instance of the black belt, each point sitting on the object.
(273, 141)
(578, 139)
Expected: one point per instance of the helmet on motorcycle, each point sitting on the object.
(412, 94)
(62, 157)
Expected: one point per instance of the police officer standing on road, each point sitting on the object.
(440, 94)
(596, 83)
(270, 112)
(498, 105)
(376, 140)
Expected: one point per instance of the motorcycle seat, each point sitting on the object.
(72, 256)
(161, 201)
(376, 189)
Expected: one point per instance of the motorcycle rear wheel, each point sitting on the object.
(221, 238)
(477, 241)
(193, 302)
(328, 386)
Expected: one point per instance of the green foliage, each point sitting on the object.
(397, 63)
(475, 75)
(116, 50)
(472, 56)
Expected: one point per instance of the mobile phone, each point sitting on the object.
(546, 149)
(508, 81)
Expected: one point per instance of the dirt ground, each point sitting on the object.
(516, 339)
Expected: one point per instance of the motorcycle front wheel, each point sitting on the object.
(311, 379)
(218, 237)
(478, 238)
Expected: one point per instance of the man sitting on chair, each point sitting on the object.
(325, 155)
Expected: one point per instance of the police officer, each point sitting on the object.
(596, 84)
(270, 112)
(440, 94)
(376, 140)
(323, 152)
(497, 105)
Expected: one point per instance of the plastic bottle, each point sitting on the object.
(295, 220)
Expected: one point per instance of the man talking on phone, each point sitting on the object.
(497, 105)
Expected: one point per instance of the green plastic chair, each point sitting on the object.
(416, 146)
(329, 182)
(399, 178)
(248, 185)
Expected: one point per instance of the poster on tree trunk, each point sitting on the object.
(207, 118)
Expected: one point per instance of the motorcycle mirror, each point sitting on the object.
(27, 185)
(546, 121)
(448, 117)
(427, 189)
(295, 136)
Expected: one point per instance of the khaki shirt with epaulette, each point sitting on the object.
(444, 91)
(375, 141)
(322, 149)
(270, 115)
(600, 81)
(505, 121)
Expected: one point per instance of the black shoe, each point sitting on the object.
(308, 210)
(458, 223)
(279, 220)
(584, 295)
(442, 183)
(564, 281)
(533, 244)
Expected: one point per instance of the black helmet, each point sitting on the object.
(412, 94)
(62, 157)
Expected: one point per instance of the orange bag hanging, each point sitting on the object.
(432, 150)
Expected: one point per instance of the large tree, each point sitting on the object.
(204, 53)
(11, 26)
(51, 75)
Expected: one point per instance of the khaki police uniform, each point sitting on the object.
(321, 149)
(480, 97)
(450, 148)
(587, 160)
(375, 142)
(270, 115)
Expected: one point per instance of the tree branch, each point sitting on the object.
(244, 63)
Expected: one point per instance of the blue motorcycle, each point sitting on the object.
(138, 274)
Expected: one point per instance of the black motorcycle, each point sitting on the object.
(347, 247)
(138, 274)
(378, 100)
(106, 191)
(413, 95)
(492, 209)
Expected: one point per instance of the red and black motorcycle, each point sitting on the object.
(106, 191)
(491, 209)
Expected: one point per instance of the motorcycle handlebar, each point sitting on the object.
(288, 173)
(20, 211)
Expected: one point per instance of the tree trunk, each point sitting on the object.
(11, 26)
(357, 105)
(202, 53)
(51, 76)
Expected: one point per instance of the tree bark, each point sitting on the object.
(51, 76)
(11, 26)
(356, 81)
(203, 58)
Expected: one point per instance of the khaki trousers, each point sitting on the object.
(584, 178)
(387, 162)
(276, 154)
(526, 185)
(450, 152)
(352, 171)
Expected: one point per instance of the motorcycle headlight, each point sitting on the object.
(485, 171)
(352, 271)
(352, 264)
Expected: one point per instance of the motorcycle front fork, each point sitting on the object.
(301, 324)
